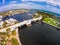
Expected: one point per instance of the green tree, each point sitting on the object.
(14, 32)
(14, 41)
(8, 29)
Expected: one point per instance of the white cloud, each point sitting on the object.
(19, 6)
(53, 9)
(29, 6)
(3, 1)
(34, 0)
(13, 2)
(53, 2)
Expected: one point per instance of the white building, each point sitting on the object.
(11, 21)
(1, 24)
(1, 17)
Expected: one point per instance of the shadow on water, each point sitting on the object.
(39, 34)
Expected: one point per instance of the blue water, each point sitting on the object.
(24, 16)
(21, 17)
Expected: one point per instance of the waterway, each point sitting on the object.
(22, 16)
(39, 34)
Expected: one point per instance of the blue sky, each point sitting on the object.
(50, 5)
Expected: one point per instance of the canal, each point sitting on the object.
(39, 34)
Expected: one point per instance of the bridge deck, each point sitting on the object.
(21, 23)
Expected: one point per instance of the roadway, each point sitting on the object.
(27, 22)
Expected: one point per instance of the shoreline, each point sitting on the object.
(17, 37)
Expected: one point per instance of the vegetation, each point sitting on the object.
(6, 24)
(50, 21)
(48, 18)
(14, 41)
(8, 37)
(12, 12)
(36, 15)
(13, 32)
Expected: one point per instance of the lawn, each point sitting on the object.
(50, 21)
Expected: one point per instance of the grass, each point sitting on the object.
(50, 21)
(14, 41)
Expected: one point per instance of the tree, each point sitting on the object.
(14, 32)
(8, 30)
(15, 41)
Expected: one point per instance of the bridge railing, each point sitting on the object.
(22, 23)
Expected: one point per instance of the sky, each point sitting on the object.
(49, 5)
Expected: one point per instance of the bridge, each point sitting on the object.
(27, 22)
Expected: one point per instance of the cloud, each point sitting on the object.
(53, 9)
(29, 6)
(13, 1)
(53, 2)
(3, 1)
(34, 0)
(19, 6)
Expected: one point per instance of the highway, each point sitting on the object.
(27, 22)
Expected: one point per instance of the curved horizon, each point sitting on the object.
(51, 5)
